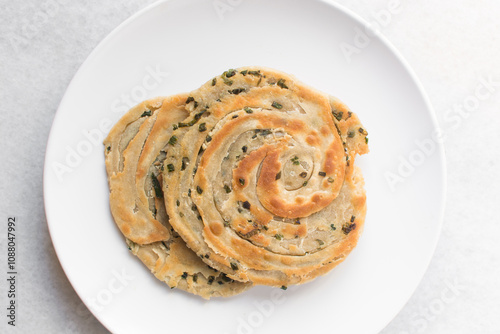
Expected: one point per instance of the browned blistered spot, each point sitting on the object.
(276, 203)
(286, 260)
(291, 230)
(313, 140)
(261, 239)
(325, 130)
(301, 230)
(125, 229)
(288, 229)
(316, 198)
(292, 126)
(216, 228)
(299, 199)
(333, 156)
(267, 257)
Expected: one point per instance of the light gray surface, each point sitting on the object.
(452, 45)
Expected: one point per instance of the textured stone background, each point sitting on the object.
(451, 44)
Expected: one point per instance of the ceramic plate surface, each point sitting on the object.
(175, 46)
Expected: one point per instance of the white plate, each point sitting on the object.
(193, 40)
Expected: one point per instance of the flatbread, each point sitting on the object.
(135, 150)
(263, 185)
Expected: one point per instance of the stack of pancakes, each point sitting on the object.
(249, 179)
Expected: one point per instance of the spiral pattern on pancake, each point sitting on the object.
(261, 177)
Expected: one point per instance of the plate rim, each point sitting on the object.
(440, 149)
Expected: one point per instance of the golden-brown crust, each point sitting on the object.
(270, 194)
(135, 149)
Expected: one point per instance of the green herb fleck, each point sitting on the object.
(363, 131)
(227, 189)
(248, 110)
(229, 73)
(199, 190)
(236, 91)
(234, 266)
(278, 176)
(255, 73)
(202, 127)
(172, 140)
(295, 160)
(210, 280)
(333, 227)
(214, 81)
(244, 149)
(175, 126)
(283, 288)
(277, 105)
(170, 168)
(348, 227)
(156, 186)
(278, 236)
(209, 139)
(303, 174)
(351, 134)
(242, 181)
(178, 203)
(195, 278)
(366, 140)
(225, 278)
(147, 113)
(320, 242)
(189, 99)
(244, 72)
(322, 174)
(184, 275)
(338, 115)
(281, 83)
(304, 184)
(353, 218)
(331, 180)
